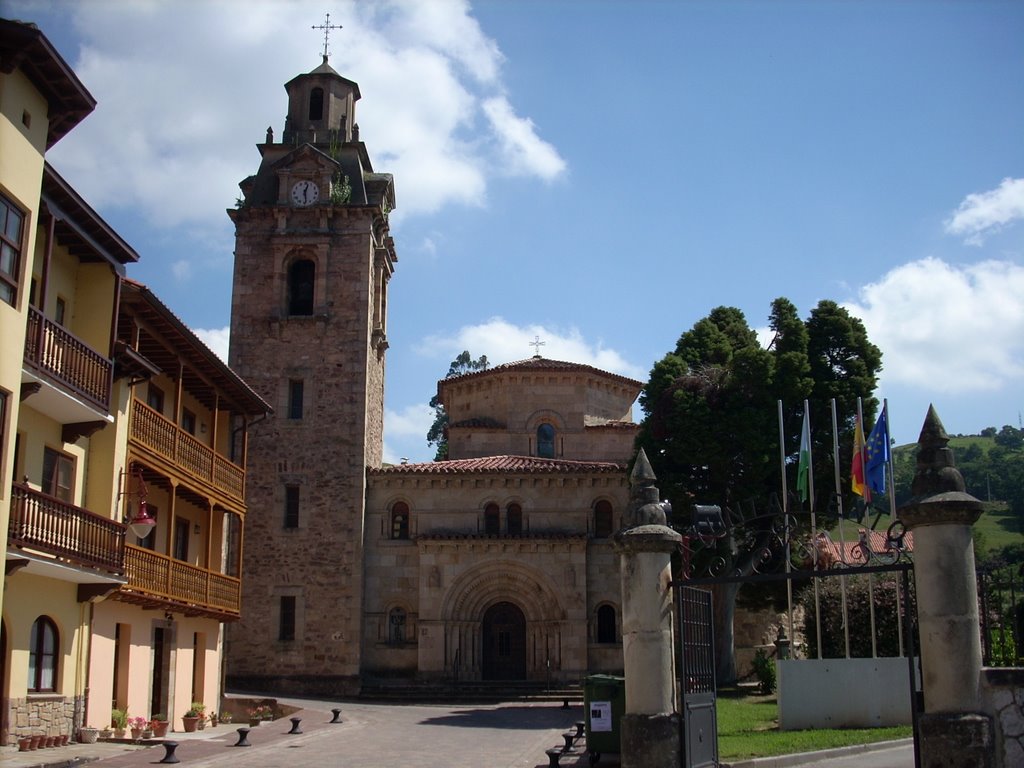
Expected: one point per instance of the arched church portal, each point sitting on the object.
(504, 643)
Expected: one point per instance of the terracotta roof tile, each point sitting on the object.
(541, 364)
(500, 465)
(851, 553)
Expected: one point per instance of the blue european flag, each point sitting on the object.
(877, 450)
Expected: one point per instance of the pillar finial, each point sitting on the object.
(938, 491)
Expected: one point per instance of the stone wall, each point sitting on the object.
(42, 716)
(1002, 698)
(758, 629)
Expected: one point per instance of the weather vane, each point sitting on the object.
(537, 344)
(326, 27)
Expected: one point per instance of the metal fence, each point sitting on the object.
(1001, 612)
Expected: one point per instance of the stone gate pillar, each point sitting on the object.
(952, 729)
(650, 725)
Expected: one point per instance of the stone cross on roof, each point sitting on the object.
(537, 344)
(326, 27)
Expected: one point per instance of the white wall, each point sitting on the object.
(843, 693)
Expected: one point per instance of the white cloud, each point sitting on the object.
(181, 269)
(525, 153)
(169, 142)
(405, 433)
(504, 342)
(217, 339)
(948, 329)
(981, 213)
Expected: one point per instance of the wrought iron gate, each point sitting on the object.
(699, 724)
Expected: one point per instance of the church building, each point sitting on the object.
(496, 564)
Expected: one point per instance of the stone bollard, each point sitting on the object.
(337, 716)
(243, 741)
(940, 513)
(295, 725)
(649, 728)
(169, 756)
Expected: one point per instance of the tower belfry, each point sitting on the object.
(313, 259)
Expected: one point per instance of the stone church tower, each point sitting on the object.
(313, 257)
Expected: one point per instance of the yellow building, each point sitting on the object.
(106, 401)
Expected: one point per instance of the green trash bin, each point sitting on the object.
(604, 698)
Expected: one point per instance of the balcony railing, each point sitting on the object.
(180, 448)
(151, 574)
(53, 350)
(47, 524)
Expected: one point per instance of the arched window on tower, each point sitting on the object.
(546, 441)
(606, 624)
(400, 520)
(515, 520)
(316, 104)
(301, 279)
(603, 524)
(492, 521)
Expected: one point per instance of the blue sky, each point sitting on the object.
(599, 174)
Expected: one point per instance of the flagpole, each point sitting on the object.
(842, 536)
(814, 523)
(867, 534)
(785, 515)
(892, 516)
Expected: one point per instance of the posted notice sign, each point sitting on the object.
(600, 716)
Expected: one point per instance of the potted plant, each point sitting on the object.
(200, 709)
(138, 725)
(106, 732)
(259, 713)
(225, 717)
(190, 720)
(213, 719)
(159, 723)
(88, 735)
(119, 721)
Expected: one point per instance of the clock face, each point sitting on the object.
(305, 192)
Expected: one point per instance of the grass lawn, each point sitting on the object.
(748, 727)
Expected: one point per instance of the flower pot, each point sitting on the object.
(119, 733)
(136, 734)
(64, 738)
(202, 723)
(190, 723)
(159, 728)
(24, 743)
(88, 735)
(36, 742)
(147, 733)
(254, 721)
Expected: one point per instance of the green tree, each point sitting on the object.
(437, 435)
(710, 427)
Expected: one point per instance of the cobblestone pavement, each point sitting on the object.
(513, 735)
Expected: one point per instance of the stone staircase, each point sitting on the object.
(474, 691)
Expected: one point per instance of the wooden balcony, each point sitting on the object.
(56, 352)
(46, 524)
(159, 581)
(180, 449)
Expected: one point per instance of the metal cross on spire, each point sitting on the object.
(537, 344)
(326, 27)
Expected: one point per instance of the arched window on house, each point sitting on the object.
(606, 624)
(603, 523)
(546, 441)
(43, 652)
(396, 626)
(316, 104)
(515, 520)
(492, 520)
(301, 279)
(399, 520)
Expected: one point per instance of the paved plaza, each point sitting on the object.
(510, 735)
